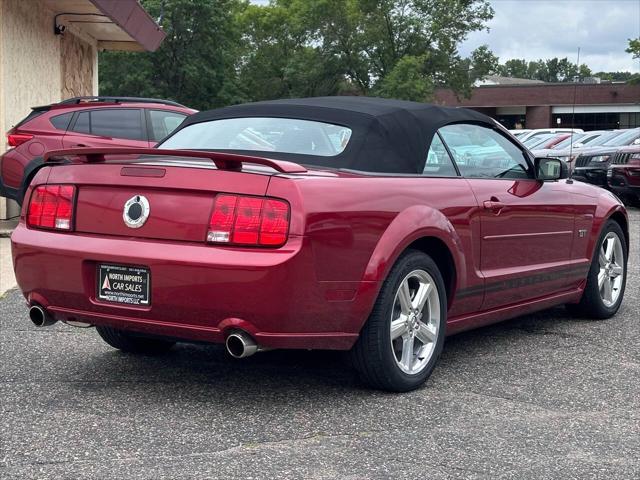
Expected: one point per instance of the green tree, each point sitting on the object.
(614, 76)
(195, 64)
(219, 52)
(365, 40)
(407, 81)
(515, 68)
(482, 63)
(551, 70)
(278, 58)
(634, 47)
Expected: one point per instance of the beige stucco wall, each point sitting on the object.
(38, 67)
(32, 58)
(77, 67)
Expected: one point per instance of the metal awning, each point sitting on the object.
(114, 24)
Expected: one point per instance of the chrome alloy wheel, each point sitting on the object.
(415, 320)
(611, 274)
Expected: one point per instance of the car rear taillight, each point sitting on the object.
(242, 220)
(17, 139)
(51, 206)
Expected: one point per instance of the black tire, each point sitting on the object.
(131, 343)
(591, 304)
(373, 355)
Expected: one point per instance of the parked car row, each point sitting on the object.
(525, 135)
(607, 158)
(83, 122)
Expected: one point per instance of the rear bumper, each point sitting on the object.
(198, 292)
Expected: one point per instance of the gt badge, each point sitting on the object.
(136, 211)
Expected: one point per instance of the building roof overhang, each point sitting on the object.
(114, 24)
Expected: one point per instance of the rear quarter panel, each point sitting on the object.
(358, 226)
(15, 160)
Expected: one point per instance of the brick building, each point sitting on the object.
(542, 105)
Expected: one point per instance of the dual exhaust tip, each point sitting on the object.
(239, 344)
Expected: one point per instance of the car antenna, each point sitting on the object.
(576, 80)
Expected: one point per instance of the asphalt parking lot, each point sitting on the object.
(542, 396)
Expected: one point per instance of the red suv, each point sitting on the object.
(83, 122)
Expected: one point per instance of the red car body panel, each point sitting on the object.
(14, 160)
(516, 246)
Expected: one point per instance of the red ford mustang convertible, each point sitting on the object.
(360, 224)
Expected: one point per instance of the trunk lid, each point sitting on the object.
(180, 196)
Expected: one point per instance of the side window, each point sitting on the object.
(481, 152)
(117, 123)
(83, 124)
(439, 163)
(61, 122)
(163, 123)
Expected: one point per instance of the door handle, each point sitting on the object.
(79, 145)
(494, 205)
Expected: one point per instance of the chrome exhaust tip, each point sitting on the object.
(241, 345)
(40, 317)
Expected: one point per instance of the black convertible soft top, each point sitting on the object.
(388, 136)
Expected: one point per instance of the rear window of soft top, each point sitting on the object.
(263, 134)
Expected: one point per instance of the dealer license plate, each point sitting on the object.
(124, 284)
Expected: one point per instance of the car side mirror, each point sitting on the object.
(636, 141)
(550, 169)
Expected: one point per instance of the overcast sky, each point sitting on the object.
(534, 29)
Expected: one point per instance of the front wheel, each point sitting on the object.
(607, 276)
(400, 344)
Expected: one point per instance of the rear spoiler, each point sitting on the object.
(223, 161)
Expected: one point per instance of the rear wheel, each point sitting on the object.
(128, 342)
(400, 344)
(607, 276)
